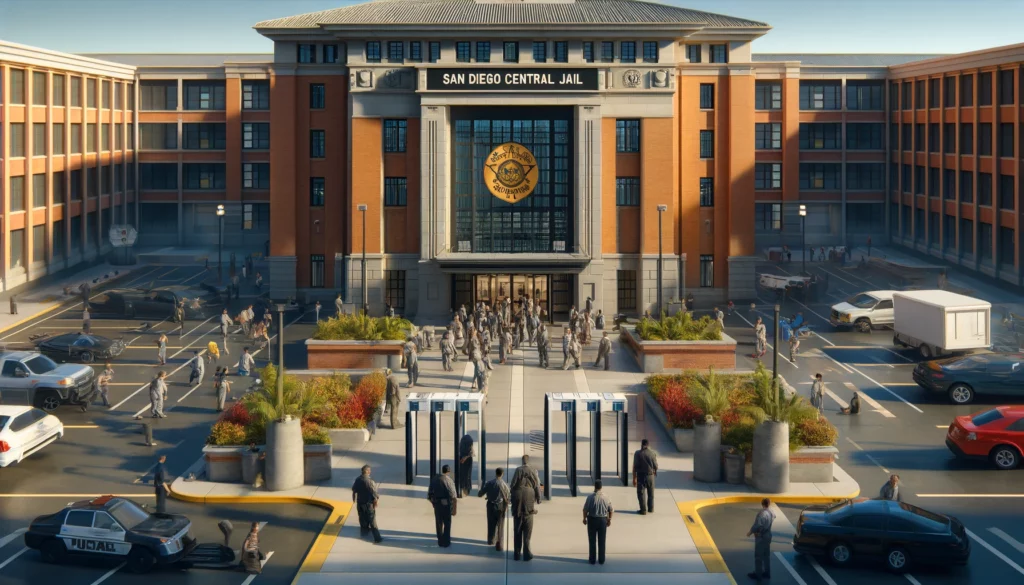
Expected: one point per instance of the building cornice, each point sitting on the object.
(45, 58)
(973, 60)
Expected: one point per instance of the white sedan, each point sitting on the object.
(25, 430)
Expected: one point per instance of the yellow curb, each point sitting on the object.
(701, 536)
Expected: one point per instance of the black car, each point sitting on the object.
(896, 533)
(114, 528)
(80, 347)
(963, 378)
(158, 302)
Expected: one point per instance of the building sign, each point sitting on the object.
(492, 79)
(510, 172)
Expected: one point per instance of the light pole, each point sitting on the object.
(803, 237)
(220, 244)
(775, 348)
(661, 209)
(281, 308)
(366, 300)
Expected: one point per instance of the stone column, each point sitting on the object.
(588, 206)
(434, 286)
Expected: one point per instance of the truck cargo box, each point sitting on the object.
(944, 320)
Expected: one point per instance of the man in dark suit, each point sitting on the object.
(525, 498)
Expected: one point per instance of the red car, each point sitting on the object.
(996, 435)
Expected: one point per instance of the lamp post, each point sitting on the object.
(281, 308)
(220, 244)
(366, 310)
(803, 237)
(661, 209)
(775, 347)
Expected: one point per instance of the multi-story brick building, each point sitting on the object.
(654, 130)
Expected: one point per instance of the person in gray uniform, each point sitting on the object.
(467, 450)
(543, 344)
(645, 468)
(597, 517)
(198, 367)
(480, 375)
(364, 493)
(411, 360)
(570, 349)
(442, 496)
(525, 498)
(604, 350)
(225, 324)
(498, 497)
(599, 320)
(157, 395)
(393, 396)
(762, 533)
(504, 345)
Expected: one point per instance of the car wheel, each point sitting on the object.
(1005, 457)
(961, 394)
(863, 325)
(53, 551)
(48, 400)
(897, 560)
(86, 357)
(140, 560)
(925, 351)
(840, 554)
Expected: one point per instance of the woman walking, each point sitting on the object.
(161, 352)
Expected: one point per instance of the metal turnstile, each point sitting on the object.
(435, 404)
(594, 404)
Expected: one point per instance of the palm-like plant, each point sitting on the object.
(709, 393)
(770, 402)
(362, 327)
(297, 399)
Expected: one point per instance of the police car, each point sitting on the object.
(111, 527)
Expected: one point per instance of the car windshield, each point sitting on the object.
(986, 417)
(41, 365)
(3, 421)
(862, 301)
(85, 341)
(128, 514)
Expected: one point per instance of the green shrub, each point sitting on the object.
(297, 400)
(679, 327)
(313, 434)
(362, 327)
(226, 433)
(816, 432)
(335, 389)
(710, 394)
(740, 435)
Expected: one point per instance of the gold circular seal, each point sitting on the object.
(510, 172)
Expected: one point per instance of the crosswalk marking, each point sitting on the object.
(817, 567)
(789, 568)
(996, 552)
(838, 400)
(1008, 539)
(878, 407)
(11, 558)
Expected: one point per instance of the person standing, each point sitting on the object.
(179, 317)
(543, 343)
(104, 380)
(365, 495)
(246, 363)
(393, 397)
(762, 533)
(223, 386)
(645, 468)
(504, 345)
(161, 351)
(14, 304)
(225, 323)
(597, 517)
(252, 557)
(317, 308)
(761, 337)
(411, 361)
(467, 450)
(234, 284)
(498, 497)
(720, 317)
(339, 306)
(604, 350)
(198, 367)
(160, 478)
(442, 496)
(891, 489)
(566, 345)
(447, 351)
(599, 320)
(525, 496)
(259, 282)
(157, 395)
(86, 318)
(818, 394)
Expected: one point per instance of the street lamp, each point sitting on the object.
(803, 237)
(281, 308)
(366, 309)
(775, 348)
(220, 244)
(661, 209)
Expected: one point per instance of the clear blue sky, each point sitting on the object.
(225, 26)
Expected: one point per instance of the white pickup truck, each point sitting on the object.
(864, 311)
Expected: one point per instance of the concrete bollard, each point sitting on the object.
(770, 466)
(285, 459)
(707, 452)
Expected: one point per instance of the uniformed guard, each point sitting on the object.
(160, 484)
(498, 498)
(225, 324)
(597, 516)
(447, 351)
(364, 493)
(531, 331)
(410, 358)
(157, 395)
(198, 367)
(467, 450)
(571, 348)
(443, 497)
(543, 343)
(604, 350)
(525, 494)
(645, 468)
(599, 320)
(762, 533)
(393, 396)
(179, 317)
(504, 346)
(480, 375)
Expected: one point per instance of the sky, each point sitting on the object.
(799, 26)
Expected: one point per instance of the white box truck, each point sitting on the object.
(939, 322)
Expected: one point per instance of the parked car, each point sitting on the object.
(898, 534)
(996, 434)
(961, 379)
(157, 303)
(32, 379)
(25, 430)
(80, 347)
(865, 311)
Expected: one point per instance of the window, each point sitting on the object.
(707, 192)
(966, 138)
(865, 176)
(627, 135)
(39, 190)
(395, 191)
(820, 135)
(105, 86)
(907, 131)
(510, 52)
(627, 52)
(130, 90)
(316, 270)
(707, 96)
(316, 143)
(17, 193)
(58, 188)
(933, 92)
(76, 91)
(966, 187)
(90, 138)
(330, 53)
(462, 52)
(864, 217)
(255, 175)
(373, 51)
(919, 180)
(1006, 198)
(919, 137)
(317, 191)
(607, 51)
(17, 86)
(949, 232)
(118, 172)
(255, 95)
(966, 91)
(201, 176)
(905, 174)
(1006, 139)
(894, 94)
(394, 293)
(58, 238)
(16, 141)
(707, 143)
(820, 96)
(767, 136)
(255, 135)
(483, 52)
(39, 139)
(416, 51)
(396, 52)
(864, 136)
(768, 217)
(561, 51)
(627, 191)
(693, 53)
(1006, 87)
(985, 189)
(317, 96)
(58, 90)
(650, 51)
(984, 244)
(819, 176)
(767, 95)
(17, 245)
(864, 95)
(540, 51)
(205, 136)
(949, 138)
(767, 176)
(90, 93)
(985, 139)
(1006, 248)
(307, 53)
(933, 138)
(919, 94)
(154, 95)
(626, 286)
(38, 88)
(251, 215)
(919, 225)
(985, 88)
(104, 137)
(966, 236)
(588, 51)
(203, 95)
(949, 94)
(435, 51)
(394, 135)
(949, 184)
(156, 136)
(707, 270)
(933, 182)
(719, 53)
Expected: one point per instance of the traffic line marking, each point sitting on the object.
(942, 426)
(81, 426)
(995, 551)
(108, 574)
(817, 567)
(11, 558)
(911, 579)
(10, 537)
(839, 400)
(1008, 539)
(878, 407)
(789, 568)
(868, 455)
(263, 563)
(879, 384)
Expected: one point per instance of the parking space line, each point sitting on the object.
(897, 354)
(81, 426)
(263, 563)
(108, 574)
(821, 571)
(995, 551)
(911, 578)
(868, 455)
(11, 558)
(871, 401)
(876, 383)
(838, 400)
(10, 537)
(1008, 539)
(789, 568)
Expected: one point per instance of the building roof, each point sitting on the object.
(182, 59)
(844, 60)
(492, 12)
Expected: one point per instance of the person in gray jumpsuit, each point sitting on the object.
(157, 395)
(441, 495)
(448, 352)
(543, 344)
(498, 497)
(525, 498)
(570, 349)
(393, 396)
(364, 493)
(412, 365)
(762, 532)
(467, 449)
(604, 350)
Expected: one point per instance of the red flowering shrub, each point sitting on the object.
(680, 410)
(363, 402)
(237, 413)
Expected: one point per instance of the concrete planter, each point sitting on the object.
(813, 464)
(317, 464)
(707, 452)
(353, 355)
(346, 439)
(657, 356)
(285, 458)
(735, 468)
(683, 438)
(223, 464)
(770, 460)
